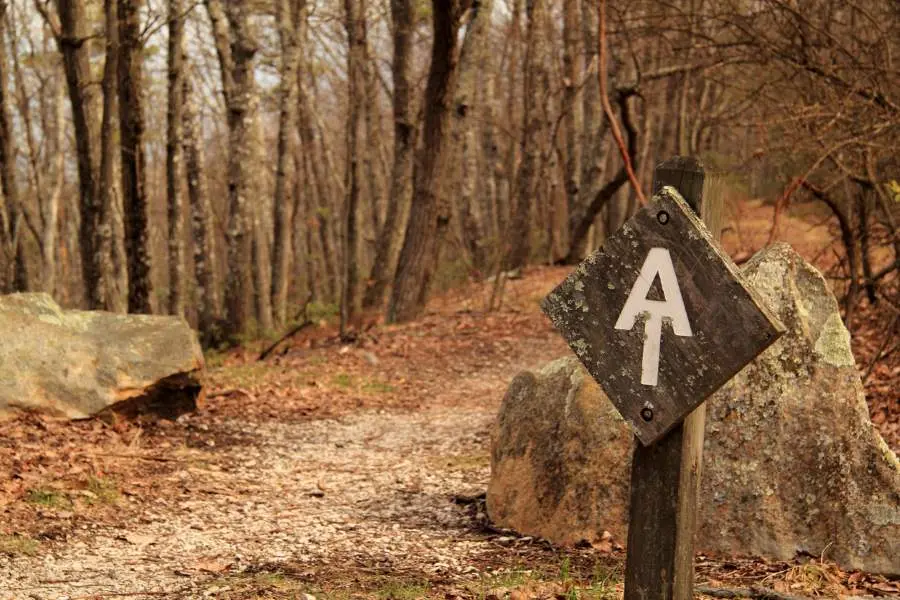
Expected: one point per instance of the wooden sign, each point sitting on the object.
(660, 316)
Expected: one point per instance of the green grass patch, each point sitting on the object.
(378, 387)
(266, 585)
(504, 580)
(367, 386)
(17, 545)
(461, 462)
(342, 380)
(105, 491)
(316, 311)
(47, 498)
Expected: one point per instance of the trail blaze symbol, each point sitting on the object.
(659, 355)
(655, 312)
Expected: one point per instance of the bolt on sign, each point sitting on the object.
(660, 316)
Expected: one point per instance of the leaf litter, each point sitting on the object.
(331, 470)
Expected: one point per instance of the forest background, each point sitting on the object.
(248, 163)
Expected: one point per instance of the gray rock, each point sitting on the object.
(559, 456)
(77, 364)
(792, 462)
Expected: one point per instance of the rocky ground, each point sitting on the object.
(327, 470)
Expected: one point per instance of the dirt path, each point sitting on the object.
(369, 488)
(368, 491)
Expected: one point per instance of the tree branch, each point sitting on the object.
(607, 108)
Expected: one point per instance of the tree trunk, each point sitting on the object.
(862, 213)
(585, 217)
(134, 162)
(12, 276)
(430, 211)
(355, 25)
(291, 21)
(505, 197)
(114, 296)
(321, 211)
(73, 40)
(236, 47)
(50, 208)
(573, 68)
(202, 230)
(261, 265)
(391, 234)
(594, 130)
(174, 158)
(470, 117)
(533, 131)
(302, 240)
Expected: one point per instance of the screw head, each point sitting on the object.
(663, 217)
(647, 414)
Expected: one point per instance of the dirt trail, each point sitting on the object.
(371, 490)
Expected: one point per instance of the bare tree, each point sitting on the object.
(202, 230)
(291, 18)
(355, 24)
(45, 224)
(236, 47)
(430, 213)
(14, 274)
(391, 235)
(534, 130)
(174, 157)
(134, 160)
(70, 30)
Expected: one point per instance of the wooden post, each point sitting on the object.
(665, 476)
(598, 309)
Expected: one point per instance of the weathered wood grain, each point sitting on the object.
(666, 475)
(730, 325)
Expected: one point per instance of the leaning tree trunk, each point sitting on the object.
(430, 211)
(391, 234)
(582, 220)
(134, 163)
(174, 158)
(291, 20)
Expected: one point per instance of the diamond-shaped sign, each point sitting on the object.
(660, 316)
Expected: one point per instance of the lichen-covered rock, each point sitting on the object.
(559, 456)
(80, 363)
(791, 461)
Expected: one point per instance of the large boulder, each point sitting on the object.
(791, 461)
(78, 363)
(560, 454)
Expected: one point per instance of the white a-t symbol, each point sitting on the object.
(658, 262)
